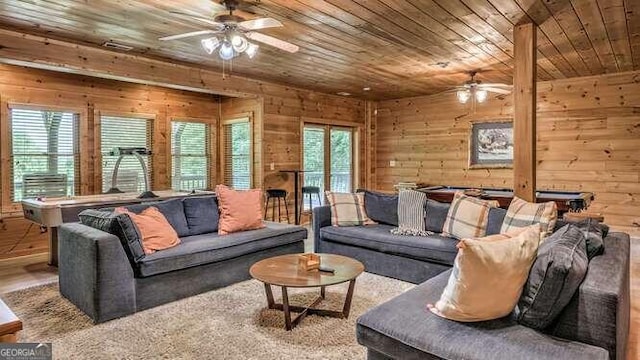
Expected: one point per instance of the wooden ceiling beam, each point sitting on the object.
(44, 53)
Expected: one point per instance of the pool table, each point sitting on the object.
(566, 200)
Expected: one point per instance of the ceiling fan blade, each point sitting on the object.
(496, 85)
(186, 35)
(199, 18)
(496, 90)
(270, 40)
(261, 23)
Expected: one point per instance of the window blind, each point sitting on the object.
(237, 154)
(189, 155)
(117, 132)
(44, 153)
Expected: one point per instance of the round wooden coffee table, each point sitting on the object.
(283, 271)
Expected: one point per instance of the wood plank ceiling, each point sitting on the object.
(397, 48)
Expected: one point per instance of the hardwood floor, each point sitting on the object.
(25, 271)
(33, 270)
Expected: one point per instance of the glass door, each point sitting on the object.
(341, 160)
(327, 159)
(313, 161)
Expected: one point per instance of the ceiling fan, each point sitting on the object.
(480, 91)
(231, 33)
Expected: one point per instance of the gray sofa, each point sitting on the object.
(593, 326)
(98, 274)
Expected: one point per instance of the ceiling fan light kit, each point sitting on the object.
(479, 92)
(229, 48)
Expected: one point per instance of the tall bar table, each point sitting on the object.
(296, 190)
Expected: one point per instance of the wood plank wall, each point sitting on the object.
(588, 139)
(278, 112)
(283, 116)
(90, 96)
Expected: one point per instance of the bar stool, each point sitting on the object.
(276, 195)
(310, 190)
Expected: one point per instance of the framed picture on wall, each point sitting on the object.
(491, 144)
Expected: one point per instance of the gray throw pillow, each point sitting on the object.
(119, 225)
(381, 208)
(202, 214)
(556, 274)
(594, 233)
(411, 214)
(435, 215)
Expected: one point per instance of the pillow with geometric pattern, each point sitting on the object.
(468, 217)
(347, 209)
(522, 213)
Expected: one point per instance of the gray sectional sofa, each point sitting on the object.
(100, 274)
(593, 326)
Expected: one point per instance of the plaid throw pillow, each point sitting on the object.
(467, 217)
(347, 209)
(411, 213)
(522, 213)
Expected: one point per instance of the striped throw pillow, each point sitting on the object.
(411, 214)
(347, 209)
(468, 217)
(522, 213)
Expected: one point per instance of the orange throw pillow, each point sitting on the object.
(156, 232)
(239, 209)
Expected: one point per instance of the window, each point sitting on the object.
(189, 155)
(127, 132)
(237, 153)
(44, 153)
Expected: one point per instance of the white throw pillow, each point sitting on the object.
(488, 276)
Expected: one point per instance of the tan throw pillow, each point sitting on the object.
(488, 277)
(467, 217)
(347, 209)
(240, 210)
(155, 230)
(522, 213)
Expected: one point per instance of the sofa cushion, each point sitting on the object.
(208, 248)
(556, 274)
(381, 208)
(119, 225)
(494, 222)
(434, 248)
(201, 214)
(436, 215)
(403, 328)
(172, 209)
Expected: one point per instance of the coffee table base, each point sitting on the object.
(307, 310)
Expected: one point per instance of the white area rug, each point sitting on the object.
(228, 323)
